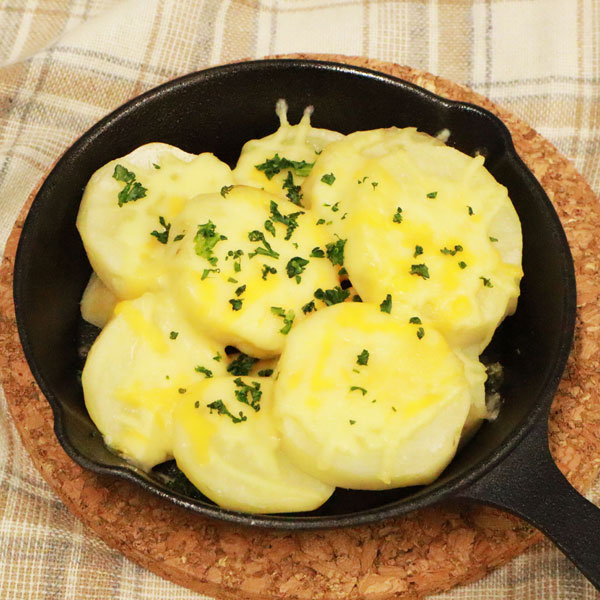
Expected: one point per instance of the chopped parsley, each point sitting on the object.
(272, 166)
(265, 373)
(362, 358)
(236, 303)
(329, 178)
(240, 290)
(293, 191)
(471, 213)
(457, 248)
(205, 240)
(317, 253)
(242, 394)
(398, 215)
(321, 222)
(332, 296)
(287, 316)
(225, 190)
(308, 307)
(217, 357)
(493, 239)
(486, 282)
(207, 272)
(163, 236)
(432, 195)
(290, 221)
(259, 236)
(156, 166)
(242, 364)
(418, 251)
(386, 305)
(206, 372)
(335, 207)
(462, 264)
(342, 272)
(415, 321)
(351, 421)
(356, 298)
(295, 267)
(421, 270)
(420, 333)
(232, 280)
(173, 335)
(357, 388)
(182, 390)
(363, 179)
(270, 227)
(222, 409)
(266, 270)
(133, 189)
(335, 252)
(374, 184)
(179, 237)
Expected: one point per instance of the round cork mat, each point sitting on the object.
(422, 553)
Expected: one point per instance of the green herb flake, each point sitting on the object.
(363, 179)
(270, 227)
(355, 388)
(386, 305)
(420, 333)
(471, 213)
(222, 409)
(240, 290)
(173, 335)
(335, 207)
(236, 303)
(133, 189)
(421, 270)
(415, 321)
(197, 404)
(308, 307)
(493, 239)
(245, 389)
(122, 174)
(207, 272)
(290, 221)
(317, 253)
(293, 191)
(242, 364)
(156, 166)
(418, 251)
(432, 195)
(398, 215)
(362, 358)
(206, 372)
(295, 267)
(447, 251)
(266, 270)
(328, 179)
(265, 373)
(332, 296)
(321, 222)
(356, 298)
(351, 421)
(225, 190)
(179, 237)
(462, 264)
(232, 280)
(274, 165)
(217, 357)
(374, 184)
(335, 252)
(259, 236)
(205, 240)
(287, 316)
(182, 390)
(486, 282)
(342, 272)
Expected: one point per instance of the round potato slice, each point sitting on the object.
(97, 302)
(144, 359)
(127, 208)
(424, 223)
(226, 444)
(279, 162)
(368, 400)
(243, 271)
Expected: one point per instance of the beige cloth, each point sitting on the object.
(66, 63)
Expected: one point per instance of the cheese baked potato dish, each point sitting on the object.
(311, 319)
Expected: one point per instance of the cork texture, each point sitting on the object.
(422, 553)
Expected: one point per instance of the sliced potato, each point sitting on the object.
(118, 232)
(230, 451)
(301, 143)
(97, 302)
(238, 282)
(424, 223)
(357, 403)
(135, 373)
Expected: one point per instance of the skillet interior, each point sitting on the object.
(218, 110)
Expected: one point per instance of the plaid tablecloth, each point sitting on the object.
(66, 63)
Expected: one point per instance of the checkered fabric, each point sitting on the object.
(66, 63)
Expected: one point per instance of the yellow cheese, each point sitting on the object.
(97, 302)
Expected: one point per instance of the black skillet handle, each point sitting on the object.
(529, 484)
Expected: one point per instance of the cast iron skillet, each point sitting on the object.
(507, 464)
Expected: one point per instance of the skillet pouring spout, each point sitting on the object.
(528, 484)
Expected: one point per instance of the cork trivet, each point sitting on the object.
(425, 552)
